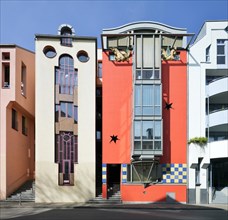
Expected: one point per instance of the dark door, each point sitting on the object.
(113, 174)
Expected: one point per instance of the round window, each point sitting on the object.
(49, 51)
(82, 56)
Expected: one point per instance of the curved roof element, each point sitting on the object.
(64, 26)
(145, 25)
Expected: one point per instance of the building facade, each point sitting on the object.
(65, 117)
(17, 118)
(208, 114)
(144, 113)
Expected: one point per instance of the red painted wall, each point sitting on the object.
(117, 110)
(154, 193)
(174, 88)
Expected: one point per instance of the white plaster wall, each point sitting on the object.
(47, 188)
(219, 149)
(197, 94)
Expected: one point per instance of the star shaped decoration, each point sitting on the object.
(114, 138)
(168, 105)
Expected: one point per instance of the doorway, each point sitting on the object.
(113, 179)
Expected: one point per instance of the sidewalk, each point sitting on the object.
(6, 204)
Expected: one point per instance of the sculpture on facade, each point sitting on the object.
(121, 55)
(169, 53)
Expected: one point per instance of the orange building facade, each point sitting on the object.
(17, 118)
(144, 136)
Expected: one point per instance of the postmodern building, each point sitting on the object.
(144, 112)
(17, 118)
(208, 115)
(65, 116)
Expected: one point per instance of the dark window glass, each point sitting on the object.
(6, 76)
(63, 109)
(82, 56)
(75, 114)
(69, 110)
(24, 126)
(49, 51)
(14, 119)
(220, 59)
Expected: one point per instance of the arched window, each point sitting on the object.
(65, 75)
(66, 32)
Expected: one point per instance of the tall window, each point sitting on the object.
(23, 79)
(66, 110)
(24, 125)
(66, 156)
(66, 76)
(99, 72)
(14, 119)
(147, 99)
(208, 53)
(5, 75)
(222, 48)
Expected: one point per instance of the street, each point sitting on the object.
(99, 213)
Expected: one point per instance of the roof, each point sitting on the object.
(14, 46)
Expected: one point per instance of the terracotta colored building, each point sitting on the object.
(17, 118)
(144, 113)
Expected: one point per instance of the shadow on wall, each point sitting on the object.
(47, 189)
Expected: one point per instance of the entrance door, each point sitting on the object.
(113, 177)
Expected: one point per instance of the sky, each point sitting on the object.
(20, 20)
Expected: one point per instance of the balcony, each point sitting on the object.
(218, 149)
(217, 86)
(216, 118)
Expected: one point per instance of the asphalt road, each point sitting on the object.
(80, 213)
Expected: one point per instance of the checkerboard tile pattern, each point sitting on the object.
(174, 173)
(124, 173)
(104, 173)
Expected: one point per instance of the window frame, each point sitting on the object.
(6, 71)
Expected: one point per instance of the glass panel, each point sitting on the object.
(220, 59)
(157, 129)
(147, 99)
(75, 114)
(139, 51)
(137, 145)
(157, 145)
(70, 110)
(137, 130)
(148, 52)
(138, 74)
(148, 110)
(147, 145)
(138, 99)
(147, 74)
(147, 130)
(63, 109)
(136, 173)
(220, 49)
(156, 74)
(56, 113)
(138, 110)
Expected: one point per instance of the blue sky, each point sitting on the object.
(20, 20)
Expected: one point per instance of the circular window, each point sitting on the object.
(82, 56)
(49, 51)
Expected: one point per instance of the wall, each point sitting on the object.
(117, 110)
(47, 188)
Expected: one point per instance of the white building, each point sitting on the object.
(65, 117)
(208, 114)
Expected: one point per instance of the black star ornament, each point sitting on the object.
(114, 138)
(168, 105)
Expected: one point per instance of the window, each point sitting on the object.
(49, 51)
(143, 171)
(82, 56)
(197, 175)
(208, 53)
(14, 119)
(148, 52)
(99, 72)
(147, 135)
(24, 126)
(65, 75)
(67, 39)
(5, 56)
(66, 155)
(23, 79)
(147, 100)
(67, 110)
(5, 75)
(222, 48)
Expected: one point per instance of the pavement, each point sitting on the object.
(7, 204)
